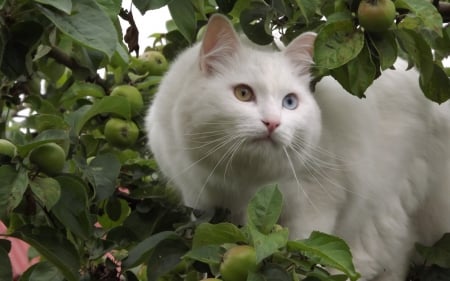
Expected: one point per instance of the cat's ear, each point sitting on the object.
(301, 50)
(219, 43)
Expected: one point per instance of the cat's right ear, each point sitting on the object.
(219, 43)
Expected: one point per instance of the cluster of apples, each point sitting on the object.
(124, 133)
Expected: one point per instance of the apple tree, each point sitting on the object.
(78, 183)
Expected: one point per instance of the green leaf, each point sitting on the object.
(142, 250)
(336, 44)
(81, 89)
(386, 47)
(418, 50)
(73, 194)
(62, 5)
(183, 14)
(210, 254)
(357, 75)
(19, 185)
(255, 22)
(88, 24)
(45, 271)
(42, 122)
(5, 266)
(166, 256)
(326, 250)
(436, 88)
(145, 5)
(267, 244)
(217, 234)
(47, 190)
(308, 9)
(46, 136)
(438, 254)
(105, 169)
(7, 177)
(109, 104)
(264, 208)
(53, 247)
(425, 11)
(115, 211)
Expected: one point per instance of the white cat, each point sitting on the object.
(229, 118)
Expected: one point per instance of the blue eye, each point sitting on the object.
(290, 101)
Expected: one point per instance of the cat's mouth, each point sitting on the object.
(266, 139)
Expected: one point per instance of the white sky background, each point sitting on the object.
(154, 21)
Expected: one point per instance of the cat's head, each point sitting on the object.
(247, 102)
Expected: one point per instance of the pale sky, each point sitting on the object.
(153, 21)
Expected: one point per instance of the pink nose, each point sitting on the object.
(271, 125)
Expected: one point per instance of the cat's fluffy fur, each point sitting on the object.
(374, 171)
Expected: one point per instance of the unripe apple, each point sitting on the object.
(7, 150)
(121, 133)
(133, 96)
(376, 15)
(150, 62)
(237, 262)
(49, 158)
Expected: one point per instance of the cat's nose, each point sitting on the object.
(271, 125)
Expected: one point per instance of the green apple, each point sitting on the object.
(376, 15)
(121, 133)
(150, 62)
(49, 158)
(7, 150)
(133, 96)
(237, 262)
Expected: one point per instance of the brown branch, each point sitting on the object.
(443, 8)
(68, 61)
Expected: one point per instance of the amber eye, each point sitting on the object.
(243, 92)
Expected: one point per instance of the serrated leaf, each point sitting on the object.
(88, 24)
(53, 247)
(217, 234)
(62, 5)
(327, 250)
(336, 44)
(105, 169)
(183, 15)
(74, 194)
(140, 252)
(47, 190)
(264, 208)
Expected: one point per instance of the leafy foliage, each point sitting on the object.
(107, 215)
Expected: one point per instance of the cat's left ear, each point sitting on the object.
(301, 50)
(219, 43)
